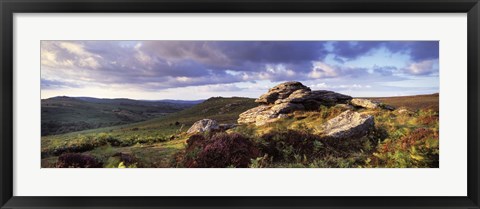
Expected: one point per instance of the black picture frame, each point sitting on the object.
(9, 7)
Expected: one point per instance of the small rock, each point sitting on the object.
(283, 116)
(365, 103)
(345, 106)
(403, 111)
(387, 107)
(369, 104)
(348, 124)
(203, 126)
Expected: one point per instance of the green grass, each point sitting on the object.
(429, 101)
(68, 114)
(153, 137)
(401, 139)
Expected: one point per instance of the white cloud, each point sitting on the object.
(322, 70)
(319, 86)
(423, 67)
(323, 86)
(74, 48)
(275, 72)
(219, 88)
(52, 56)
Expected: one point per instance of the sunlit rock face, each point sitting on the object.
(349, 124)
(286, 98)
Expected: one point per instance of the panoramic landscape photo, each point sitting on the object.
(239, 104)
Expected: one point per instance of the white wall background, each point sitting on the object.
(448, 180)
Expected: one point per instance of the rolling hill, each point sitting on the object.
(162, 141)
(161, 129)
(68, 114)
(427, 101)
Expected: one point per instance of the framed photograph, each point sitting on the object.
(241, 104)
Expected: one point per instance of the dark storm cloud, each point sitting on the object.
(274, 52)
(154, 65)
(350, 50)
(417, 50)
(237, 55)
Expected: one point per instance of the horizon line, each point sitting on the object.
(218, 97)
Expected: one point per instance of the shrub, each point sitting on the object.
(428, 117)
(300, 147)
(79, 144)
(283, 146)
(219, 150)
(77, 160)
(246, 130)
(417, 149)
(124, 159)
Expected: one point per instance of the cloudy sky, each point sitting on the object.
(192, 70)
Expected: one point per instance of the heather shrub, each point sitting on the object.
(285, 145)
(77, 160)
(219, 150)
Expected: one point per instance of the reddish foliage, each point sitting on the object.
(415, 136)
(77, 160)
(430, 119)
(220, 150)
(386, 147)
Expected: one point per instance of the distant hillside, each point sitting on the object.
(223, 110)
(178, 101)
(68, 114)
(137, 102)
(316, 129)
(428, 101)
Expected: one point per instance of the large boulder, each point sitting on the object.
(287, 98)
(284, 108)
(250, 116)
(203, 125)
(348, 124)
(312, 100)
(267, 113)
(280, 91)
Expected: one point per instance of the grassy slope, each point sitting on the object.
(429, 101)
(67, 114)
(224, 110)
(391, 152)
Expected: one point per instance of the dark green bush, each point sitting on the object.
(77, 160)
(285, 145)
